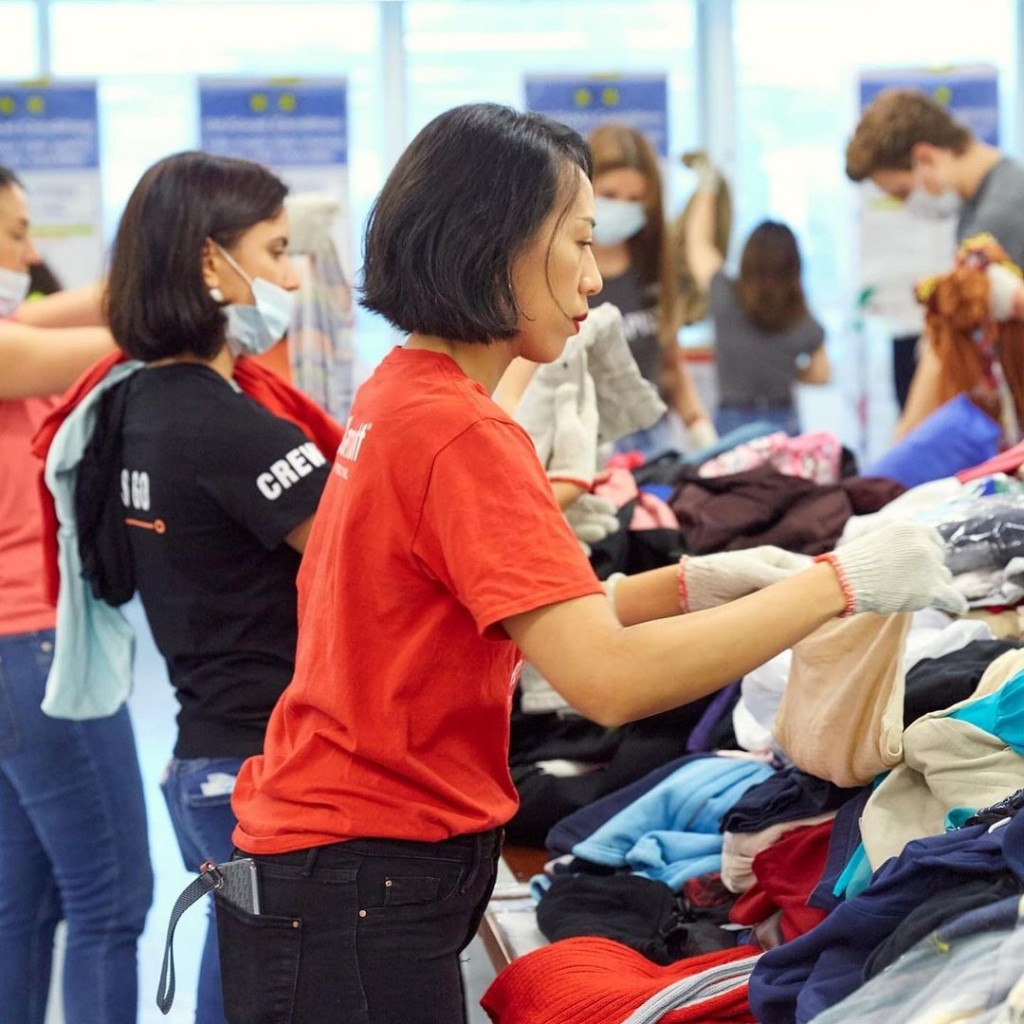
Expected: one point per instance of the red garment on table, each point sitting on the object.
(786, 874)
(599, 981)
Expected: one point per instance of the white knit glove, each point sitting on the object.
(1003, 288)
(701, 434)
(706, 581)
(592, 518)
(896, 568)
(574, 447)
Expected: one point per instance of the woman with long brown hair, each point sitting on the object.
(765, 337)
(632, 254)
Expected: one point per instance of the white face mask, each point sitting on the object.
(923, 204)
(13, 289)
(617, 219)
(252, 330)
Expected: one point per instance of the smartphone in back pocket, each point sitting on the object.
(238, 883)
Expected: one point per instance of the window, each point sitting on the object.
(21, 40)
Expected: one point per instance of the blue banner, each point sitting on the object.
(971, 94)
(282, 124)
(48, 126)
(585, 101)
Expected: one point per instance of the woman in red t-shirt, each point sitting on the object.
(73, 841)
(437, 559)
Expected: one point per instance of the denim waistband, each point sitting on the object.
(760, 405)
(474, 844)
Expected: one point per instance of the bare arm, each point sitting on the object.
(38, 361)
(925, 392)
(614, 674)
(678, 385)
(703, 259)
(298, 538)
(76, 307)
(818, 370)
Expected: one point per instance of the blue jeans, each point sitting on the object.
(198, 795)
(728, 419)
(363, 932)
(73, 844)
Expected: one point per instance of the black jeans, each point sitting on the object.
(363, 932)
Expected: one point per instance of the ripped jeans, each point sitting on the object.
(198, 795)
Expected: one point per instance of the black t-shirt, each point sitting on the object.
(638, 304)
(212, 483)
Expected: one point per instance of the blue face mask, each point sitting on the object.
(617, 220)
(252, 330)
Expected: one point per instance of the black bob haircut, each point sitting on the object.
(158, 305)
(9, 178)
(464, 199)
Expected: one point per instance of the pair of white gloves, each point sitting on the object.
(899, 567)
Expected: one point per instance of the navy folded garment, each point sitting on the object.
(789, 795)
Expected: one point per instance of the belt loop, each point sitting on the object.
(311, 857)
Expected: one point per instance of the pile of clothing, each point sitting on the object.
(834, 837)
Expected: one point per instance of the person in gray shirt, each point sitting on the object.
(912, 148)
(765, 337)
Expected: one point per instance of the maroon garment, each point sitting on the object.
(764, 506)
(787, 873)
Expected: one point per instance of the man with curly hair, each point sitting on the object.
(911, 147)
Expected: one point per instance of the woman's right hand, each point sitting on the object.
(896, 568)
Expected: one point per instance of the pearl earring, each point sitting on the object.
(216, 294)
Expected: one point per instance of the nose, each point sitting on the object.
(290, 280)
(32, 257)
(590, 281)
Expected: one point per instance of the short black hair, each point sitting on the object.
(8, 178)
(157, 303)
(465, 197)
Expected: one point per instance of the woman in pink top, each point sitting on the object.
(73, 840)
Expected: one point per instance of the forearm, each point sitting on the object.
(677, 385)
(38, 362)
(565, 493)
(648, 596)
(76, 307)
(619, 674)
(703, 259)
(924, 396)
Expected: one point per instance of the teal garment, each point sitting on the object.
(856, 876)
(957, 816)
(1001, 714)
(94, 646)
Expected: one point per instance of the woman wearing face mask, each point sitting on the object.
(631, 250)
(375, 811)
(217, 493)
(72, 815)
(765, 337)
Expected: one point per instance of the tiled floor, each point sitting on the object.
(153, 708)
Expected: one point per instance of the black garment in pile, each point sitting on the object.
(210, 484)
(635, 911)
(618, 756)
(788, 795)
(937, 683)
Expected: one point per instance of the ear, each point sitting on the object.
(210, 265)
(925, 154)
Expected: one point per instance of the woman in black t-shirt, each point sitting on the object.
(217, 492)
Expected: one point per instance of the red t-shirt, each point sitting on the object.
(24, 607)
(437, 522)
